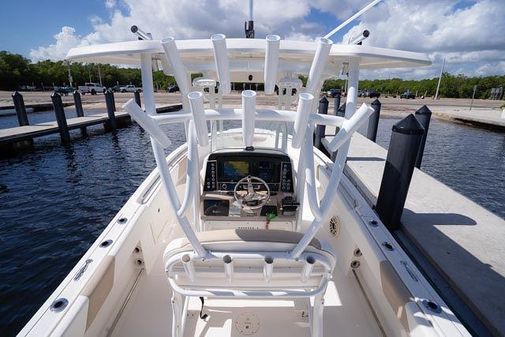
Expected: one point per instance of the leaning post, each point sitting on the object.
(60, 118)
(423, 116)
(19, 105)
(373, 121)
(109, 102)
(136, 94)
(401, 158)
(321, 129)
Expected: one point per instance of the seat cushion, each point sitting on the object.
(245, 240)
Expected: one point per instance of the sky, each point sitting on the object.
(469, 34)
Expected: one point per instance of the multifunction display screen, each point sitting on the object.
(234, 170)
(224, 170)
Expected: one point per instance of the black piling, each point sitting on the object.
(78, 104)
(79, 111)
(403, 148)
(423, 116)
(373, 121)
(109, 102)
(113, 100)
(341, 111)
(321, 129)
(19, 105)
(137, 97)
(60, 118)
(336, 104)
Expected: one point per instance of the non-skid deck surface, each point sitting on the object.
(148, 313)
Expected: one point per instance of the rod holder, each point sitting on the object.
(302, 118)
(173, 57)
(350, 126)
(222, 62)
(147, 123)
(268, 268)
(318, 64)
(196, 105)
(358, 39)
(271, 63)
(189, 269)
(140, 33)
(307, 268)
(228, 267)
(248, 116)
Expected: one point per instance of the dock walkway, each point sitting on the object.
(462, 240)
(20, 133)
(484, 116)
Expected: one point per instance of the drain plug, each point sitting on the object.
(247, 323)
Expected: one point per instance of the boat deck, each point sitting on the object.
(149, 313)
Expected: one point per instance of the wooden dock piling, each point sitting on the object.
(137, 97)
(321, 129)
(19, 105)
(109, 102)
(373, 121)
(336, 104)
(60, 118)
(79, 110)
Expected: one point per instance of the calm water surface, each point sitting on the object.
(55, 201)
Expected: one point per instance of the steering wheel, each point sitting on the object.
(249, 198)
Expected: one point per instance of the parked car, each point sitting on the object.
(129, 88)
(64, 90)
(91, 88)
(333, 92)
(173, 88)
(371, 93)
(116, 88)
(408, 94)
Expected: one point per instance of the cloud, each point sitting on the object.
(468, 37)
(65, 40)
(468, 33)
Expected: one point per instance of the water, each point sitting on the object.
(55, 201)
(469, 160)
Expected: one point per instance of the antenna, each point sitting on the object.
(352, 18)
(249, 25)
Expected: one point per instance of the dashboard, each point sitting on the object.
(225, 169)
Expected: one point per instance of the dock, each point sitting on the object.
(35, 107)
(26, 132)
(457, 243)
(491, 118)
(20, 137)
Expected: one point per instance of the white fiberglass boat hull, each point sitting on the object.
(120, 288)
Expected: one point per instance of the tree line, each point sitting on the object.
(452, 86)
(17, 72)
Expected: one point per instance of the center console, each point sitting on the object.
(225, 169)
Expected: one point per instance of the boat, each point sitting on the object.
(247, 230)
